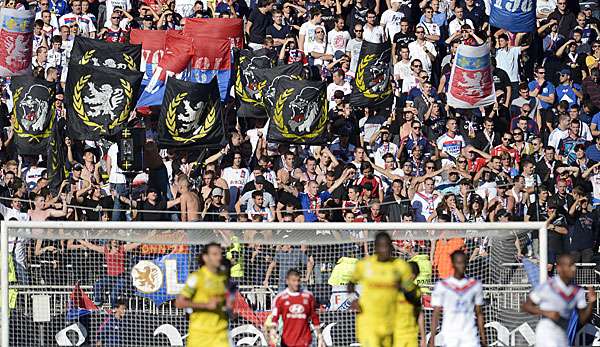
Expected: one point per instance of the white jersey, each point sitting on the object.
(451, 144)
(235, 177)
(458, 299)
(424, 204)
(555, 295)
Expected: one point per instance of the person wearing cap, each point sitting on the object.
(144, 207)
(568, 90)
(215, 209)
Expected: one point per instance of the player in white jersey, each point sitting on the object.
(461, 299)
(555, 300)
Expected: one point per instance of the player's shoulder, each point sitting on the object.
(305, 293)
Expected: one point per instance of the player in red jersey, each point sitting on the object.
(298, 309)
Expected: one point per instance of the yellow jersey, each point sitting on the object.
(378, 293)
(200, 287)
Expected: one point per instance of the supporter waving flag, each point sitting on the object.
(471, 83)
(33, 109)
(372, 85)
(191, 116)
(300, 112)
(99, 100)
(16, 41)
(247, 85)
(108, 54)
(153, 48)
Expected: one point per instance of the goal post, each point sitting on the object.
(325, 239)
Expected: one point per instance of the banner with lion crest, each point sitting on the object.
(372, 84)
(108, 54)
(190, 116)
(16, 41)
(299, 114)
(99, 100)
(33, 113)
(247, 85)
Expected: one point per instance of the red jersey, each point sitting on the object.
(514, 154)
(115, 262)
(296, 310)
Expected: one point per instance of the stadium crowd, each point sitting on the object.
(532, 156)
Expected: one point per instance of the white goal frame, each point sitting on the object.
(137, 226)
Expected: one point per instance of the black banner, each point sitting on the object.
(247, 85)
(33, 114)
(299, 114)
(57, 156)
(107, 54)
(99, 100)
(268, 77)
(191, 115)
(372, 85)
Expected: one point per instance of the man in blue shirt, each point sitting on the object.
(593, 151)
(542, 89)
(567, 90)
(313, 200)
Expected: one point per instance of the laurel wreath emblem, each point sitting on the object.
(78, 105)
(88, 55)
(171, 120)
(282, 127)
(360, 80)
(18, 129)
(130, 62)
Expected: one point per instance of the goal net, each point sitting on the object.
(66, 282)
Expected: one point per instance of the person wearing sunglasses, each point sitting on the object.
(564, 17)
(422, 49)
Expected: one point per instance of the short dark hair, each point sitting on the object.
(457, 253)
(292, 272)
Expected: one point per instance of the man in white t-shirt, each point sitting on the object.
(353, 47)
(339, 83)
(459, 20)
(307, 37)
(390, 19)
(124, 5)
(402, 68)
(372, 32)
(507, 59)
(450, 144)
(461, 299)
(236, 177)
(86, 26)
(337, 38)
(422, 49)
(117, 181)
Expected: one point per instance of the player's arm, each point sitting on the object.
(406, 285)
(481, 325)
(184, 299)
(422, 331)
(316, 322)
(586, 313)
(531, 307)
(435, 320)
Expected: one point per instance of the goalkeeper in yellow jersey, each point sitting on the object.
(381, 278)
(205, 293)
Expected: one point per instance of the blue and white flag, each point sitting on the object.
(517, 16)
(471, 84)
(161, 279)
